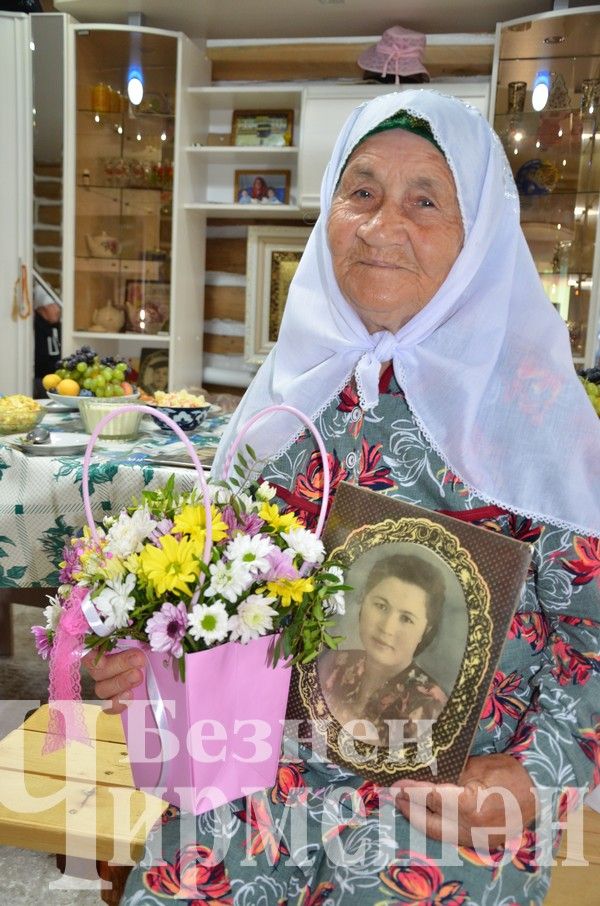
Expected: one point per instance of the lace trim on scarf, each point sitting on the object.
(495, 501)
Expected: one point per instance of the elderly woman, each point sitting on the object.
(418, 337)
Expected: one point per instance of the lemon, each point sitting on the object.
(51, 381)
(68, 387)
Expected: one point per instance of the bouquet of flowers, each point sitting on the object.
(144, 576)
(217, 581)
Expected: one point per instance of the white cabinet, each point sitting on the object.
(218, 167)
(324, 109)
(16, 166)
(125, 235)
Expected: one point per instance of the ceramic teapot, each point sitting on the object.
(107, 319)
(102, 245)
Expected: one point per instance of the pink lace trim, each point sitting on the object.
(66, 719)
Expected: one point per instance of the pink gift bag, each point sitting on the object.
(216, 736)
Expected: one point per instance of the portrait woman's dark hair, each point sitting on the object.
(416, 571)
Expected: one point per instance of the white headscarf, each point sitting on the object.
(486, 366)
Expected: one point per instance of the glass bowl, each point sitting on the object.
(122, 427)
(18, 419)
(188, 418)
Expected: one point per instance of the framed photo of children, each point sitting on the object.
(272, 128)
(264, 187)
(429, 602)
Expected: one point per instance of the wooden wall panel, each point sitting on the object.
(224, 302)
(223, 345)
(226, 255)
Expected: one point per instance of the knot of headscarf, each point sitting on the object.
(368, 367)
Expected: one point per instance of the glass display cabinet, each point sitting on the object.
(546, 113)
(120, 257)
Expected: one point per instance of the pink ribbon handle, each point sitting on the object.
(155, 413)
(309, 424)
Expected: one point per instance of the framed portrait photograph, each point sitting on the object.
(430, 605)
(153, 373)
(272, 128)
(263, 187)
(273, 254)
(147, 305)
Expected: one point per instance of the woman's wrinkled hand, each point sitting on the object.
(115, 676)
(493, 804)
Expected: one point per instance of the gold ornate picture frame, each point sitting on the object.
(402, 698)
(273, 254)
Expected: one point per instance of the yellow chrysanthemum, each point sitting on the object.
(172, 566)
(289, 590)
(280, 522)
(192, 521)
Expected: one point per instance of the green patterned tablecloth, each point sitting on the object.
(40, 496)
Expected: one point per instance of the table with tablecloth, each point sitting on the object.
(41, 504)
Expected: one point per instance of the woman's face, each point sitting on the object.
(395, 228)
(393, 619)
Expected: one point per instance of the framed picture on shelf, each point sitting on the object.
(262, 187)
(153, 372)
(147, 306)
(272, 128)
(273, 254)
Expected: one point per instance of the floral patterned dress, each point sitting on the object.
(412, 694)
(323, 837)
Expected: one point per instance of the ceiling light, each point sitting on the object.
(135, 86)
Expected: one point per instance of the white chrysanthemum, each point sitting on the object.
(114, 603)
(336, 603)
(253, 619)
(220, 496)
(250, 552)
(52, 612)
(127, 534)
(228, 579)
(265, 492)
(247, 503)
(305, 543)
(208, 622)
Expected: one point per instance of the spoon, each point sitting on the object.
(38, 435)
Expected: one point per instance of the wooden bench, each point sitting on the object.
(108, 819)
(93, 783)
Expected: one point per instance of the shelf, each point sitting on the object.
(244, 150)
(247, 97)
(243, 210)
(151, 338)
(168, 188)
(125, 267)
(130, 113)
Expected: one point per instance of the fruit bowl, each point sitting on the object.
(72, 402)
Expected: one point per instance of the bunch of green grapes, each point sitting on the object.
(97, 376)
(591, 382)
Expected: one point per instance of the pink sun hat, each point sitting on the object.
(398, 53)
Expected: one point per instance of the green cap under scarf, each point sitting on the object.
(400, 120)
